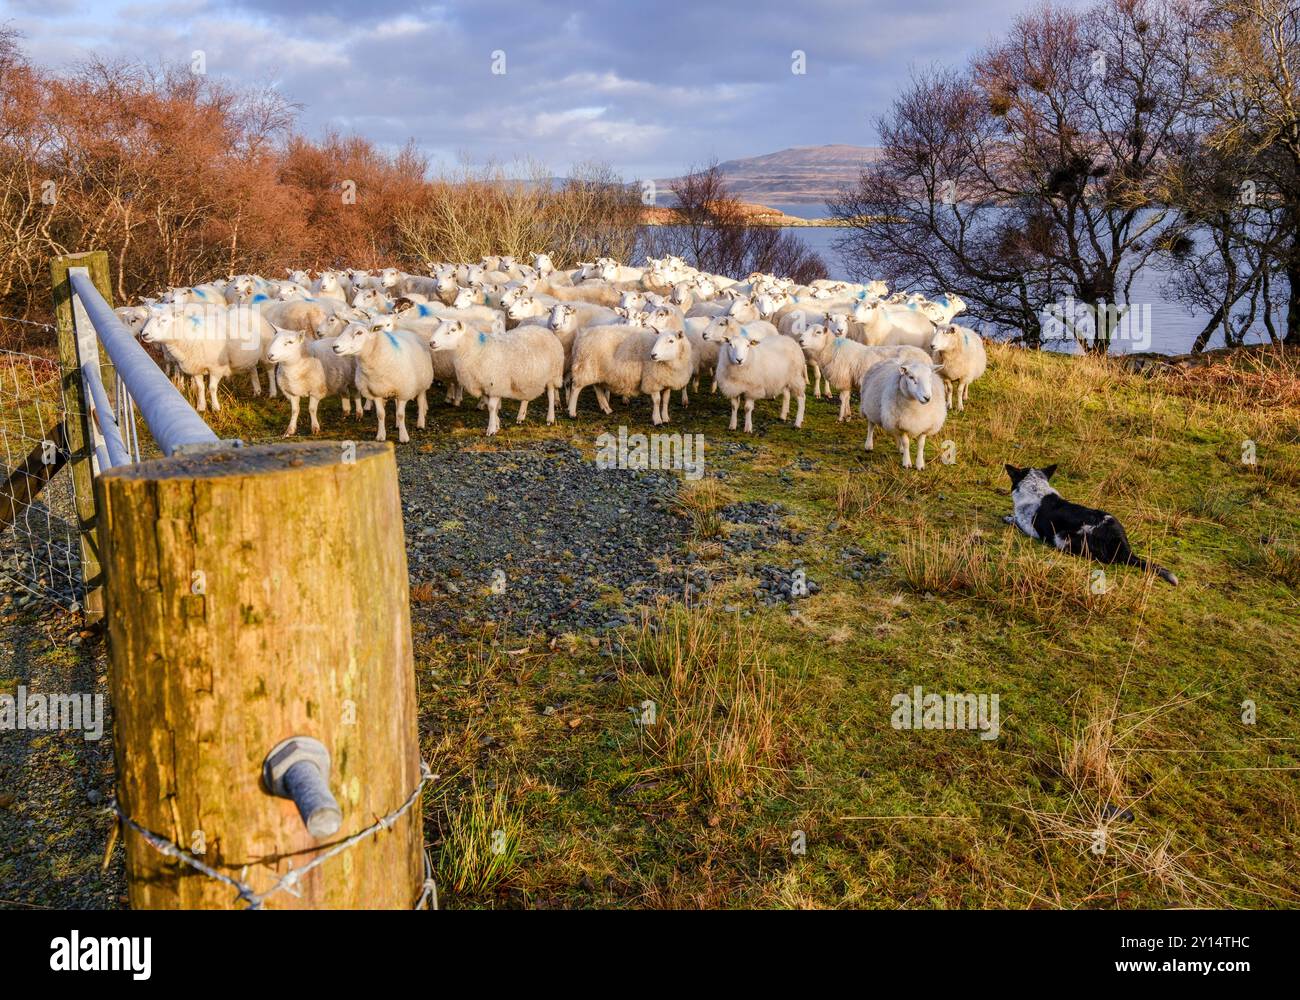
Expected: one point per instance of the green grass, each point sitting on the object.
(773, 730)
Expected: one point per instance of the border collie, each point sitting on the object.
(1042, 513)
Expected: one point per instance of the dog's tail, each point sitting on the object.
(1160, 571)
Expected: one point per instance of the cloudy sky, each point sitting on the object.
(650, 88)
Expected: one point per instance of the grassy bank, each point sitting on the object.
(737, 753)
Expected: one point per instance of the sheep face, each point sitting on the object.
(722, 329)
(353, 339)
(464, 299)
(562, 316)
(915, 381)
(159, 328)
(373, 298)
(389, 277)
(448, 335)
(813, 338)
(739, 349)
(520, 308)
(668, 346)
(945, 339)
(838, 323)
(285, 347)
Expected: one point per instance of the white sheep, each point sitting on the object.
(391, 364)
(628, 360)
(212, 342)
(764, 369)
(960, 353)
(505, 364)
(844, 362)
(901, 400)
(310, 368)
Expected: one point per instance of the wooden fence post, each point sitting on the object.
(77, 430)
(255, 594)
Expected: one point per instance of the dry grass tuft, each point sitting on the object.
(1040, 582)
(480, 842)
(702, 501)
(713, 708)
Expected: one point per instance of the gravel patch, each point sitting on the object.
(755, 525)
(568, 546)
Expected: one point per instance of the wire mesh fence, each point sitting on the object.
(40, 552)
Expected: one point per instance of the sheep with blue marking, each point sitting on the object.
(391, 364)
(517, 364)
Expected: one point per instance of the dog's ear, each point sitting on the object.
(1013, 472)
(1049, 471)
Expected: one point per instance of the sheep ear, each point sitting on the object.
(1049, 471)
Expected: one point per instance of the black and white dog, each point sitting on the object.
(1042, 513)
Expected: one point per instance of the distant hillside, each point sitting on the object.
(802, 175)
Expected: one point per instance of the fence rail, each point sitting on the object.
(172, 422)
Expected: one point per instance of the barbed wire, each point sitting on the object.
(27, 322)
(288, 882)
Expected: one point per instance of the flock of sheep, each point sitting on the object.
(501, 329)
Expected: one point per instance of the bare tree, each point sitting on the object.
(711, 230)
(1251, 53)
(1032, 180)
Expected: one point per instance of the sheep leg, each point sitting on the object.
(844, 405)
(920, 452)
(523, 411)
(271, 380)
(494, 421)
(870, 443)
(292, 429)
(735, 407)
(785, 405)
(749, 415)
(347, 404)
(798, 413)
(312, 403)
(400, 406)
(905, 444)
(380, 406)
(663, 410)
(602, 397)
(200, 392)
(256, 380)
(965, 394)
(421, 408)
(214, 380)
(685, 398)
(574, 392)
(552, 394)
